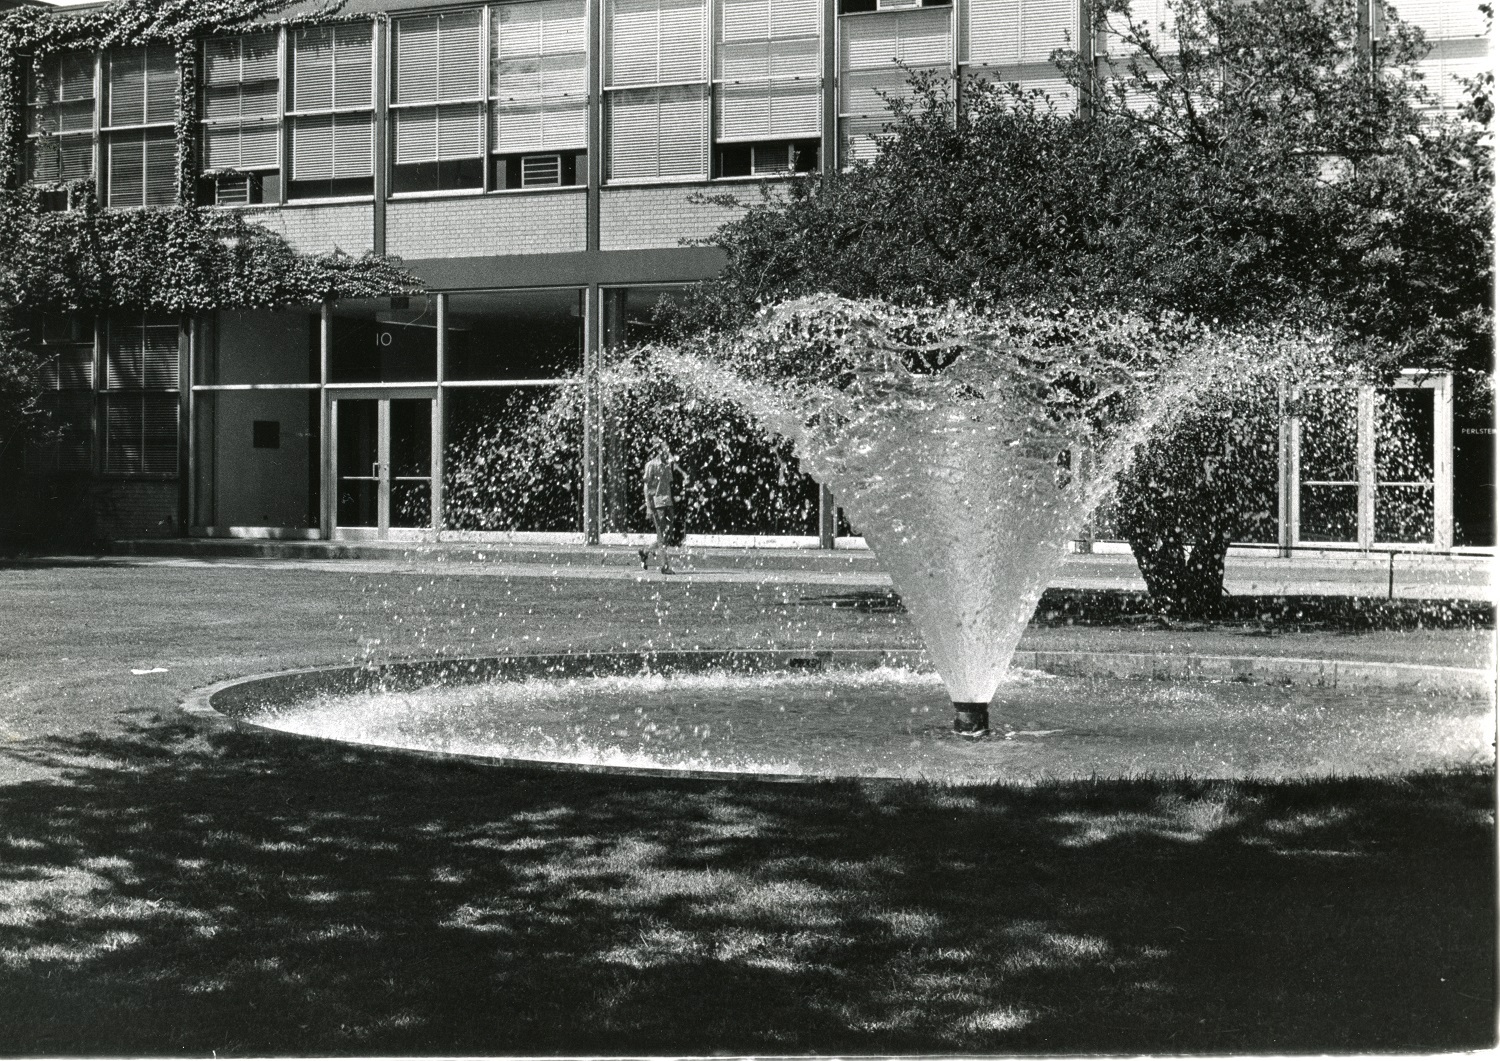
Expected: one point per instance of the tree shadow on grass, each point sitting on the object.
(268, 895)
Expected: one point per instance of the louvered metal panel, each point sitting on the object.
(353, 146)
(918, 38)
(779, 110)
(312, 68)
(161, 167)
(312, 148)
(126, 76)
(416, 46)
(657, 41)
(127, 170)
(460, 57)
(353, 57)
(659, 133)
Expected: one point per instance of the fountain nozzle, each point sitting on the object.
(971, 719)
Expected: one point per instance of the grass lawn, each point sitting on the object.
(167, 888)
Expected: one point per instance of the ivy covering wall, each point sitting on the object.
(181, 259)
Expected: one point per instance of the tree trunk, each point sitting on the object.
(1185, 580)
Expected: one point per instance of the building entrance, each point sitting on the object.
(383, 461)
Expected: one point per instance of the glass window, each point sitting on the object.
(332, 111)
(515, 335)
(657, 94)
(1329, 463)
(768, 92)
(437, 103)
(539, 93)
(140, 145)
(241, 137)
(60, 118)
(513, 459)
(385, 340)
(66, 442)
(139, 410)
(1404, 451)
(875, 54)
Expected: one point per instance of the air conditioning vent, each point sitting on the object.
(540, 171)
(896, 5)
(237, 189)
(768, 160)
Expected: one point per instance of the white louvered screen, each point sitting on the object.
(1157, 17)
(161, 168)
(769, 65)
(777, 110)
(331, 67)
(353, 146)
(659, 133)
(353, 65)
(312, 68)
(1443, 19)
(539, 76)
(142, 85)
(430, 134)
(918, 38)
(438, 57)
(126, 76)
(127, 170)
(240, 102)
(657, 42)
(158, 434)
(332, 147)
(122, 433)
(416, 43)
(1011, 32)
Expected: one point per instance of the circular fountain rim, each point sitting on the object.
(229, 701)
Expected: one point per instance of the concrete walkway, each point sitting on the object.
(1399, 575)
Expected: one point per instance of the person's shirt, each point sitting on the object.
(658, 477)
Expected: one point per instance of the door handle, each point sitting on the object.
(375, 470)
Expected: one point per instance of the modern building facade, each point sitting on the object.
(546, 166)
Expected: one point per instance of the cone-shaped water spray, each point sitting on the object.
(954, 443)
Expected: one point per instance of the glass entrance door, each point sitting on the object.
(382, 465)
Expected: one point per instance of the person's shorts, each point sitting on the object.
(668, 525)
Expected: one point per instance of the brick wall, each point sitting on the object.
(78, 510)
(662, 216)
(317, 229)
(479, 226)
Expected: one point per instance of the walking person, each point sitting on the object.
(659, 481)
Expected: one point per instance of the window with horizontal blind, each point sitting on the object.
(767, 91)
(437, 102)
(240, 107)
(331, 111)
(657, 88)
(140, 147)
(872, 51)
(139, 406)
(538, 92)
(60, 118)
(66, 441)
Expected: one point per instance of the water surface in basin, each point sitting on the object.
(896, 723)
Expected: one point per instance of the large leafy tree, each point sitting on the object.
(1262, 163)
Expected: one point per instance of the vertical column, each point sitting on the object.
(1442, 462)
(1087, 57)
(96, 420)
(439, 405)
(327, 487)
(382, 37)
(828, 518)
(593, 296)
(593, 414)
(1283, 472)
(284, 127)
(828, 152)
(383, 459)
(187, 464)
(596, 134)
(1366, 465)
(1294, 474)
